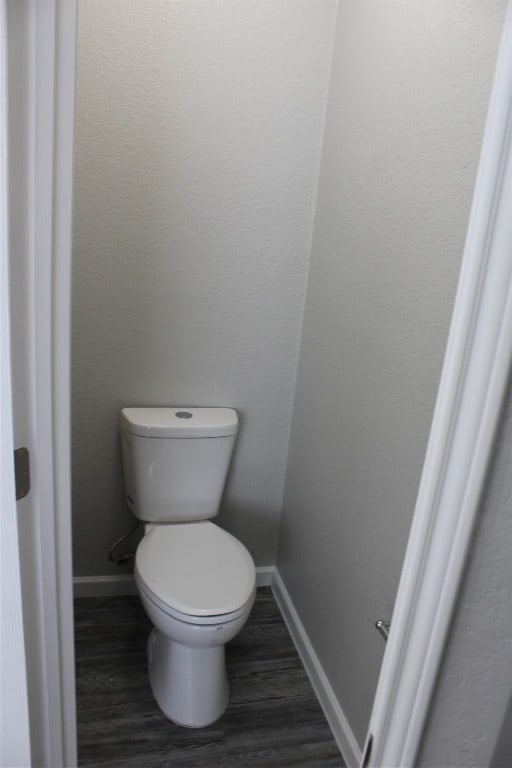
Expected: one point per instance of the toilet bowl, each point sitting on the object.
(197, 585)
(196, 581)
(186, 662)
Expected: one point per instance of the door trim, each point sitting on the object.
(14, 722)
(469, 405)
(42, 81)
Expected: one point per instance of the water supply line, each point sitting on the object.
(125, 557)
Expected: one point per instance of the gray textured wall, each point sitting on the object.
(408, 95)
(198, 137)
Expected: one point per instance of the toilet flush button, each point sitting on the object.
(184, 414)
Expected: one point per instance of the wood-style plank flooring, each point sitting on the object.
(272, 719)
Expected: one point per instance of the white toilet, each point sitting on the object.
(196, 581)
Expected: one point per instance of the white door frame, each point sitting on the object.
(41, 44)
(469, 404)
(14, 724)
(466, 417)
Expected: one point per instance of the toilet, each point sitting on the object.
(197, 582)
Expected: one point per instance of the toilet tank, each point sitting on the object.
(175, 461)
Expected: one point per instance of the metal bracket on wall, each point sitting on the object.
(22, 472)
(383, 627)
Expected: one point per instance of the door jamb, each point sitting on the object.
(14, 723)
(46, 29)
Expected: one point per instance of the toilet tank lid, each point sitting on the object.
(180, 422)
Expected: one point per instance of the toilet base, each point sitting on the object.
(189, 684)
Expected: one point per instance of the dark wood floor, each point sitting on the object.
(273, 718)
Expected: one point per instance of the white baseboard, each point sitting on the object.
(124, 583)
(340, 727)
(104, 586)
(265, 575)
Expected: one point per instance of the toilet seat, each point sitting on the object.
(196, 572)
(185, 618)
